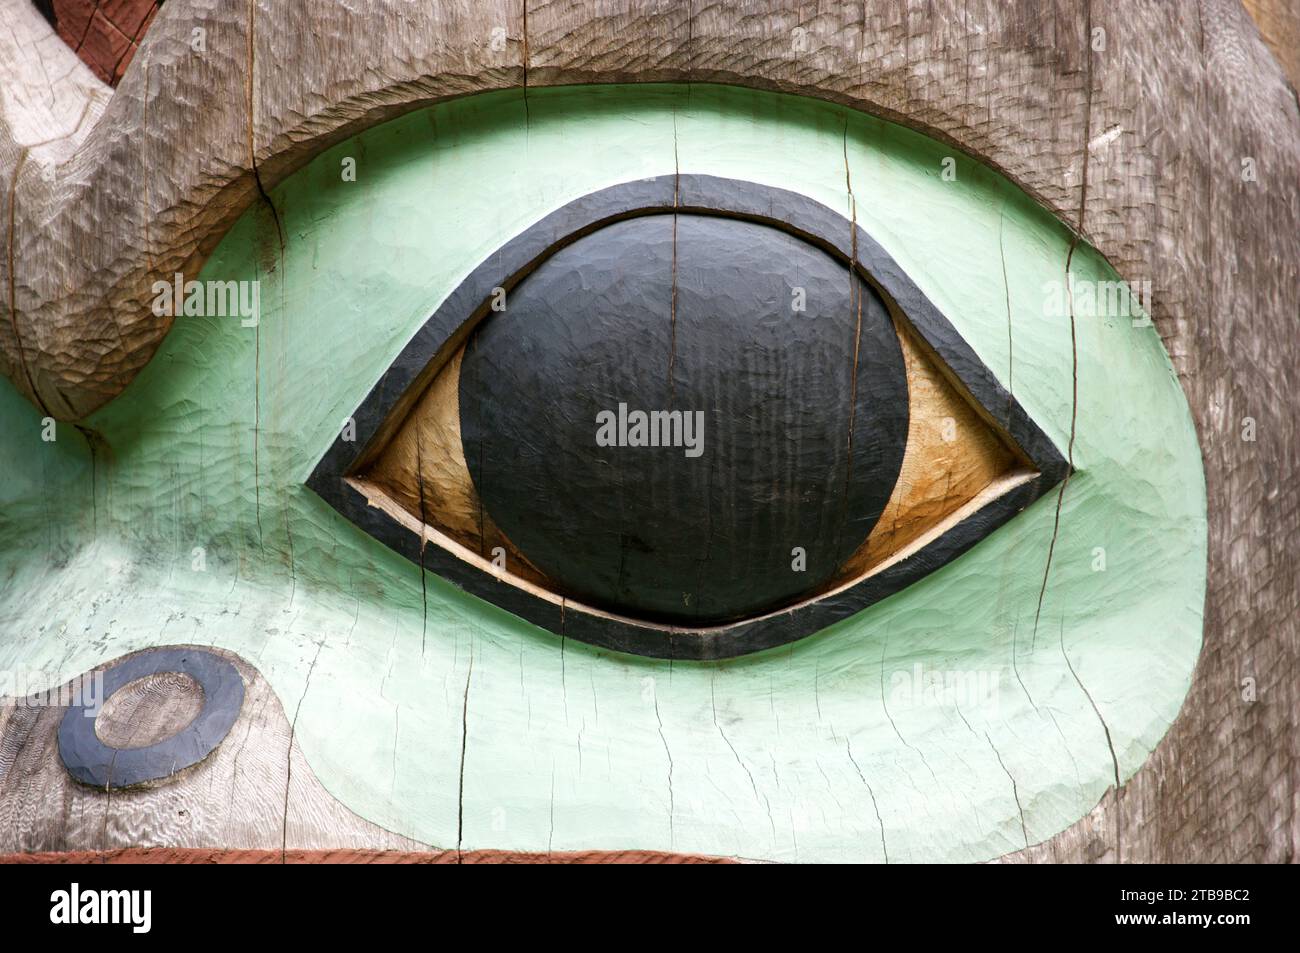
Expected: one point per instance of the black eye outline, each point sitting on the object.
(388, 402)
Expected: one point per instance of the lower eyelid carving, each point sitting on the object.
(957, 474)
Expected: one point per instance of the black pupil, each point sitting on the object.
(770, 377)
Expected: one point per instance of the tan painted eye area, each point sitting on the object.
(423, 478)
(774, 469)
(955, 461)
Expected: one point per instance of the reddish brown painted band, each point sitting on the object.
(104, 33)
(196, 855)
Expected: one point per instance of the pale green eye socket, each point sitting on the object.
(983, 707)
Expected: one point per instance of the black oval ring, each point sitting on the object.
(90, 761)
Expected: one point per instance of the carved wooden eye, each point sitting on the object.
(687, 417)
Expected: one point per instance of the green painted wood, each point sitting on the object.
(828, 749)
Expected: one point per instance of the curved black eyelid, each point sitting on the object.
(386, 404)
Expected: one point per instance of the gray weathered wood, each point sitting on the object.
(1138, 144)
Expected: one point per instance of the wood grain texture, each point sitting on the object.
(1279, 25)
(1012, 84)
(254, 792)
(1140, 144)
(144, 712)
(165, 855)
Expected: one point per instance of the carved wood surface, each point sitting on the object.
(1138, 135)
(192, 855)
(148, 710)
(254, 792)
(104, 35)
